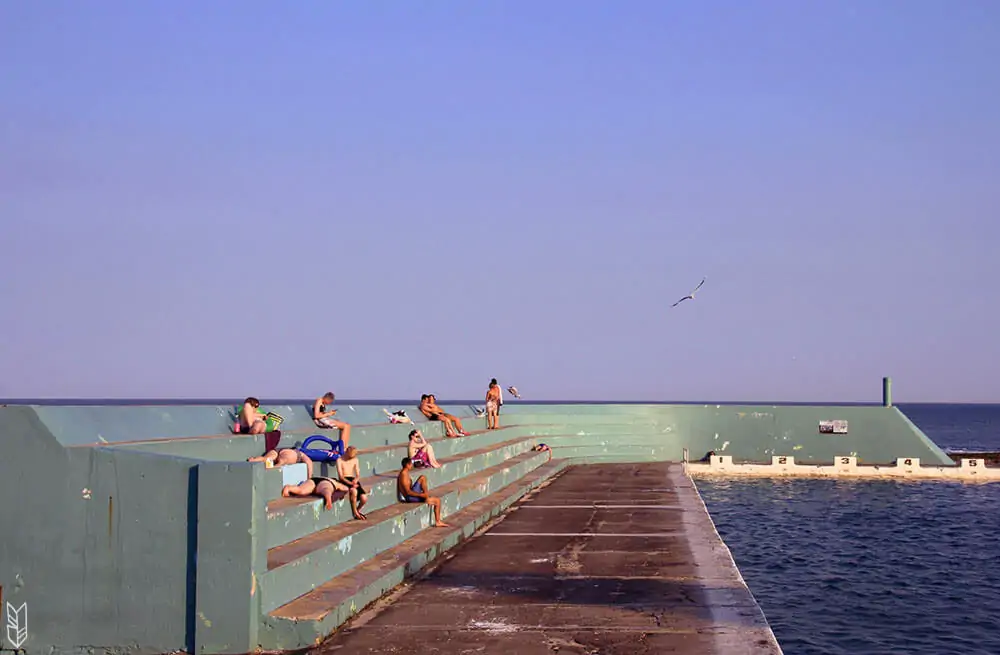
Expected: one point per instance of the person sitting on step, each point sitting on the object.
(429, 408)
(417, 492)
(323, 417)
(421, 452)
(251, 420)
(349, 474)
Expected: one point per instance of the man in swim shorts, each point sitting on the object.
(417, 492)
(323, 417)
(349, 475)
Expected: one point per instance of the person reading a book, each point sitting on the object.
(252, 421)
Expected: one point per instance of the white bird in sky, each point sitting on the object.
(690, 296)
(512, 390)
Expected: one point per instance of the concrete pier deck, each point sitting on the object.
(613, 559)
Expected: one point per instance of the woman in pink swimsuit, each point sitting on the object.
(421, 452)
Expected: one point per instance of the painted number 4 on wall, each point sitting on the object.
(17, 625)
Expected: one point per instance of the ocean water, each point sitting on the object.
(868, 568)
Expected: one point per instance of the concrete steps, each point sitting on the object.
(383, 459)
(290, 519)
(298, 567)
(469, 503)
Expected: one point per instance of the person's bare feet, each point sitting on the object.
(441, 524)
(329, 503)
(286, 491)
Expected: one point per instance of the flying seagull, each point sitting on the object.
(513, 391)
(690, 296)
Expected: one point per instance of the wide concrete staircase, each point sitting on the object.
(312, 568)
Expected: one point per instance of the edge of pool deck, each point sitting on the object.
(706, 604)
(711, 553)
(969, 469)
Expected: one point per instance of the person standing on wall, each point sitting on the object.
(493, 405)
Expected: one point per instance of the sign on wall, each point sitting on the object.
(833, 427)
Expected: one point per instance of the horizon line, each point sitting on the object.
(397, 401)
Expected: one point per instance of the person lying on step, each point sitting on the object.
(323, 417)
(349, 474)
(421, 452)
(284, 457)
(417, 492)
(321, 486)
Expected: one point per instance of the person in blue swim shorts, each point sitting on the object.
(409, 491)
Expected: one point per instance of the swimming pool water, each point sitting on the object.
(873, 567)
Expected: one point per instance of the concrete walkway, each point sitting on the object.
(607, 559)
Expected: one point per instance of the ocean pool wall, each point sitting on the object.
(102, 503)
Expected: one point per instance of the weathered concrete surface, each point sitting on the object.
(611, 559)
(904, 468)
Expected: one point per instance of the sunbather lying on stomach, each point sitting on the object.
(284, 457)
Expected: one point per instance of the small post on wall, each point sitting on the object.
(887, 392)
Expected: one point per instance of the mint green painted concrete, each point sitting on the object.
(286, 583)
(75, 425)
(231, 557)
(289, 524)
(277, 633)
(877, 435)
(126, 546)
(95, 541)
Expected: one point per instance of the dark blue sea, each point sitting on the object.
(874, 567)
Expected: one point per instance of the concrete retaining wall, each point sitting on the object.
(156, 545)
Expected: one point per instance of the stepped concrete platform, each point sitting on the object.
(612, 559)
(158, 536)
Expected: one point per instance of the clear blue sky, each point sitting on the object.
(423, 195)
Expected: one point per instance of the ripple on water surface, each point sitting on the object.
(867, 567)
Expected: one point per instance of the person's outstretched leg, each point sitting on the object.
(436, 504)
(355, 510)
(325, 491)
(431, 459)
(304, 489)
(304, 459)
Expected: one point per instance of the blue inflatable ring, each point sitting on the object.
(334, 453)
